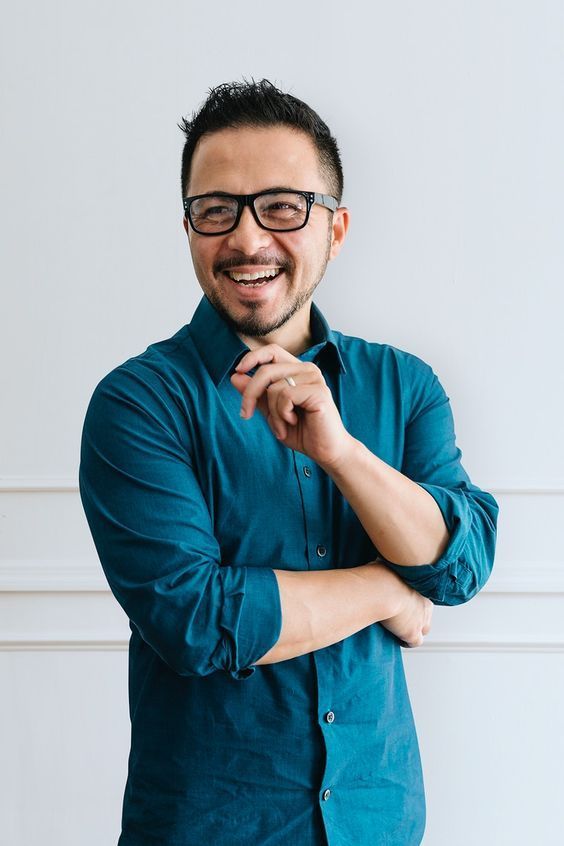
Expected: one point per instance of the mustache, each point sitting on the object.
(255, 261)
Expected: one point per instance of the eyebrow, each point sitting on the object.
(220, 193)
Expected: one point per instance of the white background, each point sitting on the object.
(450, 121)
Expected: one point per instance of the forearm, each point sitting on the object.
(322, 607)
(401, 518)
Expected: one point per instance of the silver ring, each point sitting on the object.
(290, 381)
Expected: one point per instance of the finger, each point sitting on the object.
(284, 400)
(264, 355)
(269, 374)
(308, 396)
(280, 401)
(240, 381)
(278, 427)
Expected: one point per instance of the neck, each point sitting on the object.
(294, 336)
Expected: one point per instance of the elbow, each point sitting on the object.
(460, 584)
(183, 658)
(164, 628)
(187, 663)
(468, 574)
(190, 662)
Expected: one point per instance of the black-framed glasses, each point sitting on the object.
(276, 210)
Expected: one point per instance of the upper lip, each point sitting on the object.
(252, 268)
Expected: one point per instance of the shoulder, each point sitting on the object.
(411, 369)
(151, 381)
(395, 370)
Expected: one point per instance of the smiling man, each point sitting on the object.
(262, 280)
(277, 506)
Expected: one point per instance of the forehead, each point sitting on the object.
(244, 160)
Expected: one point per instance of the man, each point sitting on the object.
(277, 507)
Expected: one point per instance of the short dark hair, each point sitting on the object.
(258, 104)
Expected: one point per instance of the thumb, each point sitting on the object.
(239, 381)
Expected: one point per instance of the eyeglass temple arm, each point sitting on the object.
(326, 200)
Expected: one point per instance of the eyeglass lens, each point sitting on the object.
(282, 210)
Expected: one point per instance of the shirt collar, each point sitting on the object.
(221, 348)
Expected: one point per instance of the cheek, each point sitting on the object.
(296, 248)
(309, 244)
(202, 258)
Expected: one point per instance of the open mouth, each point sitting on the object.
(259, 279)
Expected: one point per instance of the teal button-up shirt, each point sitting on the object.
(191, 507)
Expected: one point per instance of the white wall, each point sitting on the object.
(449, 116)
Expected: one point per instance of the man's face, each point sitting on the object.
(244, 161)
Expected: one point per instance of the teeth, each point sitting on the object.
(250, 277)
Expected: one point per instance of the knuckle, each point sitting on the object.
(311, 367)
(276, 350)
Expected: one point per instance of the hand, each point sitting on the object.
(413, 619)
(303, 417)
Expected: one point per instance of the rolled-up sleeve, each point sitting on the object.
(433, 460)
(153, 533)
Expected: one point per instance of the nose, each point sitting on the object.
(248, 237)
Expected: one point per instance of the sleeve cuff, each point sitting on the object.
(256, 628)
(435, 581)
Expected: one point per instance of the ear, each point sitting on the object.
(186, 226)
(341, 219)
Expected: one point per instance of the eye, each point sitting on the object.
(213, 213)
(212, 207)
(211, 210)
(282, 207)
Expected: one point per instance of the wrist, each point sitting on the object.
(337, 466)
(390, 589)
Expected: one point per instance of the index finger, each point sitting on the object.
(262, 380)
(264, 355)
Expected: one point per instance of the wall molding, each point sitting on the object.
(57, 576)
(69, 484)
(526, 577)
(100, 643)
(492, 645)
(52, 576)
(38, 484)
(63, 643)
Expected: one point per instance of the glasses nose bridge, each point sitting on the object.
(248, 230)
(248, 200)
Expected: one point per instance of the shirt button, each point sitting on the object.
(321, 551)
(307, 471)
(329, 716)
(326, 794)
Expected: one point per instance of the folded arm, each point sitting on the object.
(429, 523)
(154, 537)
